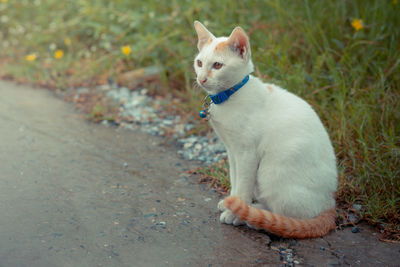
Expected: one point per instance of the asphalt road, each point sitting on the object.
(74, 193)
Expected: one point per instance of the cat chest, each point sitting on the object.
(229, 122)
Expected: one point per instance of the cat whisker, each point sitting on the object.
(195, 85)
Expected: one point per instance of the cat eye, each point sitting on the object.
(217, 65)
(199, 63)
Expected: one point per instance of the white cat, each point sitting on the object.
(282, 164)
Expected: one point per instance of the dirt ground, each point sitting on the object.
(73, 193)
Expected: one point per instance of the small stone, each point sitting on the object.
(357, 207)
(198, 147)
(82, 90)
(184, 222)
(123, 93)
(355, 229)
(296, 262)
(352, 218)
(179, 129)
(168, 122)
(125, 164)
(187, 145)
(322, 248)
(274, 248)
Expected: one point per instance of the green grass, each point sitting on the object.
(351, 78)
(216, 175)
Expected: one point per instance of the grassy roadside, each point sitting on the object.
(343, 57)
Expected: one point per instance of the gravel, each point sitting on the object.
(286, 256)
(145, 113)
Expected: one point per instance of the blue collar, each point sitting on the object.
(224, 95)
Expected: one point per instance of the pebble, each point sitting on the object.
(146, 115)
(82, 90)
(355, 229)
(286, 256)
(198, 147)
(352, 218)
(357, 207)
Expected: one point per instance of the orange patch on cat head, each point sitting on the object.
(270, 89)
(210, 40)
(221, 46)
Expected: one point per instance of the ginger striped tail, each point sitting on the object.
(282, 225)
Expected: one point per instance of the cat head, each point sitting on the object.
(222, 62)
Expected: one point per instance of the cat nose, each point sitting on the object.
(203, 81)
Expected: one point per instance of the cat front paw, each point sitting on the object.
(228, 217)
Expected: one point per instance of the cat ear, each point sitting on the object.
(203, 34)
(239, 42)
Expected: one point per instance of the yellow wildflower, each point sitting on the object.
(357, 24)
(30, 57)
(67, 41)
(58, 54)
(126, 50)
(394, 2)
(4, 1)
